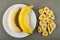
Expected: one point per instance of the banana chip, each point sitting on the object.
(39, 29)
(50, 14)
(53, 26)
(46, 24)
(45, 33)
(46, 9)
(41, 17)
(41, 11)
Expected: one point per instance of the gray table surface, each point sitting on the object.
(53, 4)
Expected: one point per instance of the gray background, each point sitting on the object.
(53, 4)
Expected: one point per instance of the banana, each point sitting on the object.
(24, 13)
(11, 20)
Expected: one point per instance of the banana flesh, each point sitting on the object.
(11, 20)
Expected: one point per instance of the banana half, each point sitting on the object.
(24, 13)
(11, 20)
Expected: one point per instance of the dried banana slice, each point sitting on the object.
(49, 30)
(46, 24)
(41, 17)
(50, 14)
(43, 27)
(39, 29)
(45, 33)
(46, 9)
(41, 23)
(53, 26)
(41, 11)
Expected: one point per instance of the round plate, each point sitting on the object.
(6, 26)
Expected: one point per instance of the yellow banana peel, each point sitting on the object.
(24, 13)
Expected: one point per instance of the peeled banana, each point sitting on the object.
(11, 20)
(24, 13)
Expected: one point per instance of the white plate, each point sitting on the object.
(6, 26)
